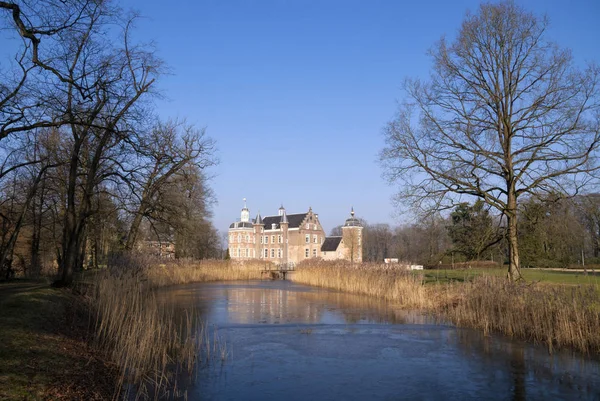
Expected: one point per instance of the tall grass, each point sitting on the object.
(390, 282)
(151, 344)
(556, 315)
(186, 271)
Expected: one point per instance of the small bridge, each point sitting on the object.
(277, 271)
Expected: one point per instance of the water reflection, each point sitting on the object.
(283, 302)
(296, 342)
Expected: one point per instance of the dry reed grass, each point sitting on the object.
(186, 271)
(391, 282)
(151, 345)
(556, 315)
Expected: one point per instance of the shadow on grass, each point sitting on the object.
(43, 346)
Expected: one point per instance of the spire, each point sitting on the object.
(284, 217)
(352, 221)
(258, 219)
(245, 207)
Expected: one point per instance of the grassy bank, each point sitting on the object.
(108, 331)
(558, 315)
(543, 276)
(44, 348)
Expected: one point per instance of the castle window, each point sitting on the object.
(315, 253)
(314, 238)
(279, 239)
(266, 253)
(315, 227)
(272, 239)
(239, 238)
(243, 253)
(306, 253)
(266, 239)
(307, 239)
(247, 238)
(279, 253)
(261, 239)
(272, 252)
(307, 226)
(262, 229)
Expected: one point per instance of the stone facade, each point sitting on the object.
(292, 238)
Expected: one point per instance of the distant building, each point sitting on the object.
(161, 249)
(291, 238)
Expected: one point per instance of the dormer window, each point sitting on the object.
(273, 226)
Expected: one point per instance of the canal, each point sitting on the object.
(286, 341)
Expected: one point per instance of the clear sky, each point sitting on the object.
(296, 92)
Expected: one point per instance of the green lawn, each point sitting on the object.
(534, 275)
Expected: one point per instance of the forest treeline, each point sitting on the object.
(554, 231)
(87, 168)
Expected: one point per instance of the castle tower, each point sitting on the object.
(352, 238)
(241, 236)
(258, 237)
(285, 225)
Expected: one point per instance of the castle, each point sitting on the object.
(292, 238)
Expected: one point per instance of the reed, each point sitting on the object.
(556, 315)
(151, 344)
(391, 282)
(187, 271)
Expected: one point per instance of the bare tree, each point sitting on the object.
(20, 87)
(505, 113)
(170, 150)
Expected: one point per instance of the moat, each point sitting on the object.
(286, 341)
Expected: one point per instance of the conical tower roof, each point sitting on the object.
(258, 219)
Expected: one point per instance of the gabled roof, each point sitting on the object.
(331, 244)
(294, 220)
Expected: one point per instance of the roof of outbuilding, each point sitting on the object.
(294, 220)
(331, 244)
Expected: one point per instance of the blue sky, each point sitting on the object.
(296, 92)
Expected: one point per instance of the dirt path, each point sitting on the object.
(10, 288)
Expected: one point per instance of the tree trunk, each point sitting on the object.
(514, 268)
(69, 241)
(134, 229)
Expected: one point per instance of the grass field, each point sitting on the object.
(42, 352)
(533, 275)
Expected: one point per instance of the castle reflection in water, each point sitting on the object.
(268, 303)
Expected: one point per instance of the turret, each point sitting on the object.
(245, 215)
(352, 237)
(284, 225)
(258, 235)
